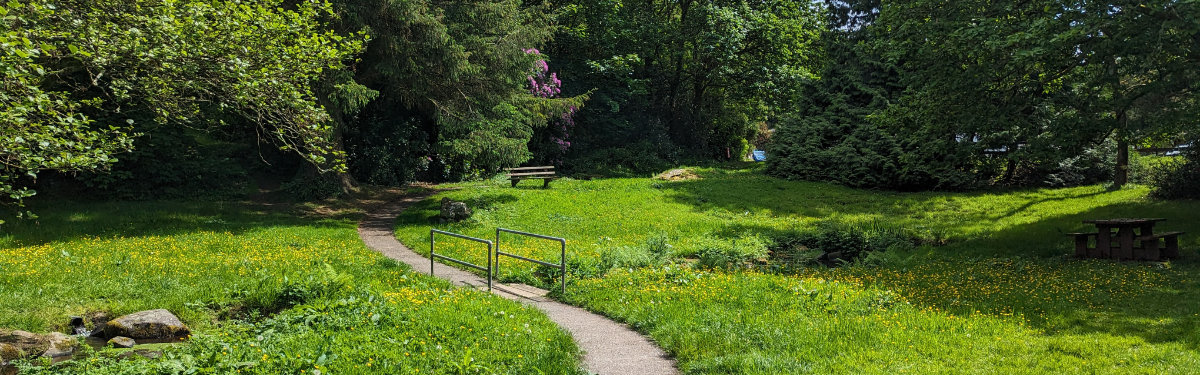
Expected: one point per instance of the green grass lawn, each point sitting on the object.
(992, 291)
(264, 289)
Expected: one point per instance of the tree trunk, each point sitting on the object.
(1121, 172)
(349, 184)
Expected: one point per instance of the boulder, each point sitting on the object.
(99, 321)
(454, 211)
(10, 352)
(677, 175)
(153, 324)
(122, 342)
(61, 345)
(28, 343)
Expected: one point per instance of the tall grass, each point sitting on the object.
(264, 290)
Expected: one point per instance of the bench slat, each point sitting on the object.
(530, 174)
(528, 168)
(1160, 235)
(1083, 234)
(535, 178)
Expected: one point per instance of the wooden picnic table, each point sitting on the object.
(1129, 231)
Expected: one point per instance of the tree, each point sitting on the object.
(40, 130)
(1044, 79)
(191, 63)
(686, 75)
(828, 134)
(451, 79)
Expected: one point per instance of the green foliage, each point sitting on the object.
(170, 163)
(1044, 79)
(40, 129)
(307, 187)
(1176, 179)
(654, 252)
(718, 254)
(143, 64)
(187, 61)
(451, 80)
(697, 76)
(851, 154)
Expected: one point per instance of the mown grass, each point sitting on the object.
(991, 290)
(265, 290)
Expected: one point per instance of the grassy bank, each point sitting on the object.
(266, 289)
(991, 287)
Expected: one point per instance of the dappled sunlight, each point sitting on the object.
(990, 286)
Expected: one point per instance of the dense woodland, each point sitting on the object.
(150, 98)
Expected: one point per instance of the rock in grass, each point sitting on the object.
(677, 175)
(28, 343)
(454, 211)
(153, 324)
(122, 342)
(61, 345)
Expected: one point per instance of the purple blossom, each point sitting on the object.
(545, 84)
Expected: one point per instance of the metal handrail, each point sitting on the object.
(434, 256)
(562, 265)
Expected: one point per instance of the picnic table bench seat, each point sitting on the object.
(1151, 249)
(544, 173)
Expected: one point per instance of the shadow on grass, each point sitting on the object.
(1029, 269)
(67, 221)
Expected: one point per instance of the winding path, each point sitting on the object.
(610, 348)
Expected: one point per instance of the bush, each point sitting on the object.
(1177, 179)
(655, 251)
(169, 163)
(310, 186)
(731, 254)
(833, 244)
(272, 294)
(820, 149)
(1094, 165)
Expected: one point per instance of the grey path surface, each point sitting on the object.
(610, 348)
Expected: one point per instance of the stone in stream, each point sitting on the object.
(122, 342)
(152, 324)
(61, 345)
(9, 352)
(144, 353)
(26, 342)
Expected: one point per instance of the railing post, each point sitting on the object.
(563, 266)
(431, 257)
(489, 270)
(497, 250)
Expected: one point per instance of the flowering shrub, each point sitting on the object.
(545, 84)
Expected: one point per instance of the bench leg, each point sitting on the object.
(1081, 246)
(1104, 241)
(1125, 235)
(514, 182)
(1149, 250)
(1172, 248)
(546, 183)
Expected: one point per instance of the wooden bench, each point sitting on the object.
(546, 174)
(1151, 251)
(1081, 245)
